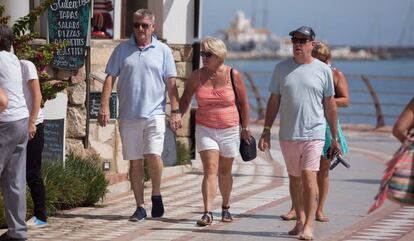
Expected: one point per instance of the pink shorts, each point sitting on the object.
(302, 155)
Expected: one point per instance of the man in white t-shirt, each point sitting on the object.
(13, 141)
(33, 96)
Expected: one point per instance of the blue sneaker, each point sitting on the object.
(139, 214)
(157, 207)
(34, 222)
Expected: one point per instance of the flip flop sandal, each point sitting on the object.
(225, 215)
(206, 219)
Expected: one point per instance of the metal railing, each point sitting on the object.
(369, 92)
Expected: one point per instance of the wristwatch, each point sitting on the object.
(176, 111)
(266, 130)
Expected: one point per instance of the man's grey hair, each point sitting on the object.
(143, 12)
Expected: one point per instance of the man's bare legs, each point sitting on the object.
(155, 166)
(295, 189)
(310, 191)
(323, 185)
(136, 177)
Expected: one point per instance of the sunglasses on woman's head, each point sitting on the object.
(205, 54)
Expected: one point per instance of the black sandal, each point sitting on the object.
(225, 215)
(206, 219)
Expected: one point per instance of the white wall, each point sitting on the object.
(174, 20)
(15, 9)
(117, 19)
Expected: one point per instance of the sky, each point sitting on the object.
(339, 22)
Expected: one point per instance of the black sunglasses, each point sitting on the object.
(205, 54)
(300, 40)
(143, 25)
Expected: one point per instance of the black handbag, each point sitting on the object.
(248, 151)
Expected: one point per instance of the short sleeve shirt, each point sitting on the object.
(29, 73)
(302, 89)
(11, 82)
(142, 76)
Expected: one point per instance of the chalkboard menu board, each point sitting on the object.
(53, 149)
(95, 104)
(69, 20)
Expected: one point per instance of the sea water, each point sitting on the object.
(392, 80)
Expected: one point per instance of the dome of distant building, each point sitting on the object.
(242, 36)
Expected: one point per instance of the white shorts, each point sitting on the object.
(226, 141)
(142, 136)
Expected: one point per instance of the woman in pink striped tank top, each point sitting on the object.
(218, 129)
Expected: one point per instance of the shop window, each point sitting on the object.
(102, 19)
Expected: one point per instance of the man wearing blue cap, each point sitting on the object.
(302, 89)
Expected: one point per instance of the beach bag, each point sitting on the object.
(398, 181)
(248, 151)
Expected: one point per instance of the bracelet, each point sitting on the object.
(335, 139)
(267, 129)
(245, 128)
(176, 111)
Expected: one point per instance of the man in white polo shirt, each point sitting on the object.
(13, 141)
(145, 69)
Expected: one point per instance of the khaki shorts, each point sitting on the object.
(302, 155)
(142, 136)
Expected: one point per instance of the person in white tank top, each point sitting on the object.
(33, 96)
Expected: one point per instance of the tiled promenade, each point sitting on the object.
(260, 195)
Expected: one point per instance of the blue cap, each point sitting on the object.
(305, 30)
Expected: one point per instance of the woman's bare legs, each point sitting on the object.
(323, 186)
(210, 159)
(225, 179)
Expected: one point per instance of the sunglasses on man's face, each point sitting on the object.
(205, 54)
(142, 25)
(299, 40)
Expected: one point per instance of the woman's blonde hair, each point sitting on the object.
(322, 52)
(215, 46)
